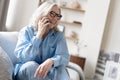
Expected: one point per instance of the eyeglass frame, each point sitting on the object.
(54, 14)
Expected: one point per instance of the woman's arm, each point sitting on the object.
(61, 57)
(28, 45)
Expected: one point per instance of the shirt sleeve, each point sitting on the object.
(62, 56)
(27, 46)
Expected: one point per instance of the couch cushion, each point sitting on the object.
(8, 42)
(6, 66)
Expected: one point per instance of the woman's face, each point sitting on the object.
(54, 16)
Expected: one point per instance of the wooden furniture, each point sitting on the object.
(71, 23)
(78, 60)
(81, 10)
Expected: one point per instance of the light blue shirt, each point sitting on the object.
(31, 48)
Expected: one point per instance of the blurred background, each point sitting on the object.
(91, 27)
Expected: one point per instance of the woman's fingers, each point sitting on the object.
(44, 20)
(37, 72)
(40, 72)
(45, 73)
(43, 25)
(43, 69)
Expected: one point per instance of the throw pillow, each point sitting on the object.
(6, 66)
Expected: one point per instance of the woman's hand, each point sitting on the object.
(43, 27)
(43, 69)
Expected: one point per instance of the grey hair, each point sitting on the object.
(40, 12)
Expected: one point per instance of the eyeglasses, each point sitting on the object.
(53, 14)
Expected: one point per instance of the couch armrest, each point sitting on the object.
(8, 42)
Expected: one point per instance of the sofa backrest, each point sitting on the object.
(8, 42)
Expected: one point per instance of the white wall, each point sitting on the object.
(111, 40)
(92, 33)
(19, 13)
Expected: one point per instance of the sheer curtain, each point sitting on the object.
(3, 13)
(19, 13)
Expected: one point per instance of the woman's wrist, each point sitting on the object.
(52, 62)
(39, 35)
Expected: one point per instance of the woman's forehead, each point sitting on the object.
(55, 9)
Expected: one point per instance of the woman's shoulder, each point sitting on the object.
(27, 28)
(59, 34)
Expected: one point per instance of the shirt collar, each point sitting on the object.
(52, 32)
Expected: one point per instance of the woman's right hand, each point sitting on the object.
(43, 27)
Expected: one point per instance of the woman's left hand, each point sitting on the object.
(43, 69)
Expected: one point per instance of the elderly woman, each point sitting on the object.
(41, 47)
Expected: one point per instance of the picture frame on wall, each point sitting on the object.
(73, 4)
(112, 71)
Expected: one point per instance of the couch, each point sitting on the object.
(8, 42)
